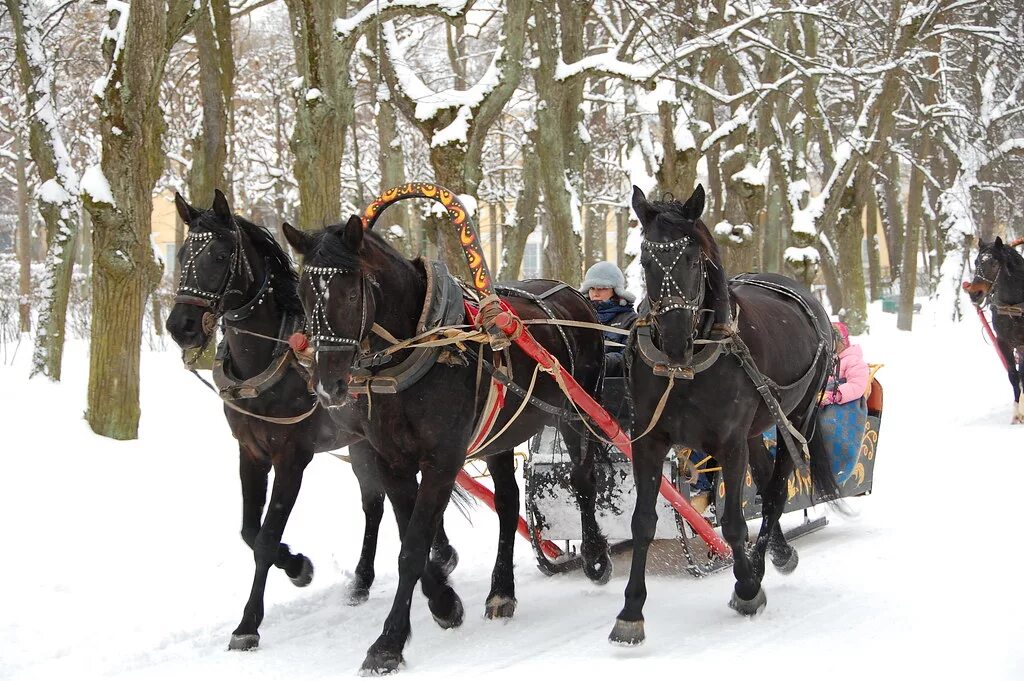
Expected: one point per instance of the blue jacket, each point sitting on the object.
(614, 313)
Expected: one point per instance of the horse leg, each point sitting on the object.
(501, 601)
(1019, 411)
(648, 462)
(773, 502)
(762, 468)
(385, 655)
(268, 549)
(1014, 376)
(597, 561)
(748, 598)
(371, 491)
(253, 471)
(442, 553)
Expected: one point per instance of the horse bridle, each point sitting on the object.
(191, 293)
(322, 336)
(672, 296)
(992, 282)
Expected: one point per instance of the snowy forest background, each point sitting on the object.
(810, 124)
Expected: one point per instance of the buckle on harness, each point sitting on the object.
(673, 371)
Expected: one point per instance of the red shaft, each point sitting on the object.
(481, 492)
(513, 328)
(991, 336)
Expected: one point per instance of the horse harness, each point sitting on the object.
(190, 292)
(641, 341)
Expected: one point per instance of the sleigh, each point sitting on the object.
(551, 508)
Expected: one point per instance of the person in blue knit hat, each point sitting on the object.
(605, 285)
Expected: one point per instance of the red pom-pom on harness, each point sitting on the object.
(298, 341)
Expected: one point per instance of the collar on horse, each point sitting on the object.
(442, 306)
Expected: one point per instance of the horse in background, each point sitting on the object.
(234, 270)
(999, 283)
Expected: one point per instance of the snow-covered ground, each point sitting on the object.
(123, 560)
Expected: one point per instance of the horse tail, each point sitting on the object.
(463, 501)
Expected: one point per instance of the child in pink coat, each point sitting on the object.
(853, 371)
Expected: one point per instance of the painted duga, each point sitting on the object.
(354, 280)
(999, 282)
(717, 409)
(232, 270)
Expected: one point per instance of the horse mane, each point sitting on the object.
(695, 229)
(1014, 261)
(329, 249)
(286, 279)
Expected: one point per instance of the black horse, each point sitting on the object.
(353, 281)
(713, 405)
(234, 270)
(999, 281)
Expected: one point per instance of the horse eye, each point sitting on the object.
(222, 257)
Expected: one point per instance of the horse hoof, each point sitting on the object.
(749, 608)
(599, 571)
(244, 642)
(627, 633)
(357, 595)
(786, 565)
(500, 608)
(305, 575)
(455, 618)
(381, 663)
(446, 565)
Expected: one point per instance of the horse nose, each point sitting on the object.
(183, 328)
(334, 393)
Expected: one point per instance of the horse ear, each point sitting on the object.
(998, 243)
(186, 212)
(352, 234)
(642, 207)
(220, 206)
(694, 206)
(299, 240)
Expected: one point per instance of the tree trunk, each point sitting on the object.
(595, 235)
(85, 239)
(558, 33)
(915, 204)
(849, 237)
(118, 194)
(58, 183)
(621, 235)
(874, 262)
(830, 272)
(24, 240)
(324, 109)
(216, 88)
(392, 166)
(516, 231)
(891, 205)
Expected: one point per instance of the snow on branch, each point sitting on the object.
(346, 27)
(607, 63)
(430, 103)
(115, 37)
(62, 189)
